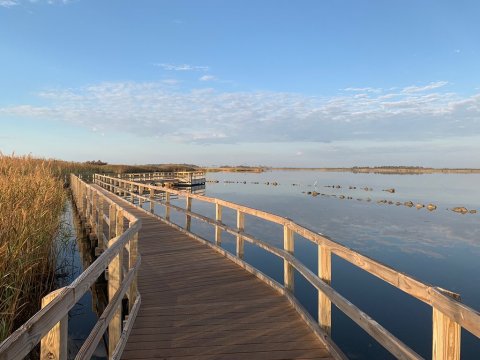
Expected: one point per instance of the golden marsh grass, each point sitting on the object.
(32, 200)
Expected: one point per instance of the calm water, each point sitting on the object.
(439, 247)
(76, 255)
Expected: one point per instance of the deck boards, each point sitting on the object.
(196, 304)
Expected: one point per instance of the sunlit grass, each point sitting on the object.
(32, 200)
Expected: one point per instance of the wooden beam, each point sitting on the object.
(288, 245)
(240, 228)
(152, 197)
(132, 260)
(188, 218)
(112, 214)
(114, 282)
(100, 223)
(140, 192)
(167, 206)
(54, 345)
(218, 230)
(446, 343)
(324, 303)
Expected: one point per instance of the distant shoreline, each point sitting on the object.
(390, 170)
(355, 169)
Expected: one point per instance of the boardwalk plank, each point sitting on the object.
(196, 304)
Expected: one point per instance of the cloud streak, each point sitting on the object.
(210, 116)
(182, 67)
(13, 3)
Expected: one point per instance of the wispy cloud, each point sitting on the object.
(431, 86)
(210, 116)
(207, 78)
(9, 3)
(171, 81)
(13, 3)
(364, 89)
(182, 67)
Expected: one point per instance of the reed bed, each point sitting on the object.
(32, 200)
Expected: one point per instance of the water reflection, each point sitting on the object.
(76, 254)
(439, 247)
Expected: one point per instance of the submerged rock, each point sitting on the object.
(431, 207)
(473, 211)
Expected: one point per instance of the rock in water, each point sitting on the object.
(431, 207)
(390, 190)
(460, 209)
(408, 203)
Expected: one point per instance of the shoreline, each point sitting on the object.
(394, 170)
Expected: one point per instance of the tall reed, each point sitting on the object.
(32, 200)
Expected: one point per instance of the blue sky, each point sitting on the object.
(282, 83)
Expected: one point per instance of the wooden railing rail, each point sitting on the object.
(49, 325)
(449, 315)
(181, 175)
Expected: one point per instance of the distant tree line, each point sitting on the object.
(98, 162)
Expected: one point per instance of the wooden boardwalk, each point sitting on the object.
(196, 304)
(197, 301)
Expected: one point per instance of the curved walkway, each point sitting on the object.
(196, 304)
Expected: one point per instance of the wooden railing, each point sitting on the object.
(189, 177)
(449, 315)
(49, 325)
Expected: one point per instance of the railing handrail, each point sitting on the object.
(196, 172)
(25, 338)
(461, 314)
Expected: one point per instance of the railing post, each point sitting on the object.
(240, 228)
(140, 193)
(167, 205)
(288, 245)
(132, 259)
(94, 212)
(54, 344)
(84, 199)
(188, 218)
(89, 206)
(324, 273)
(446, 342)
(218, 230)
(112, 213)
(115, 277)
(101, 244)
(152, 197)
